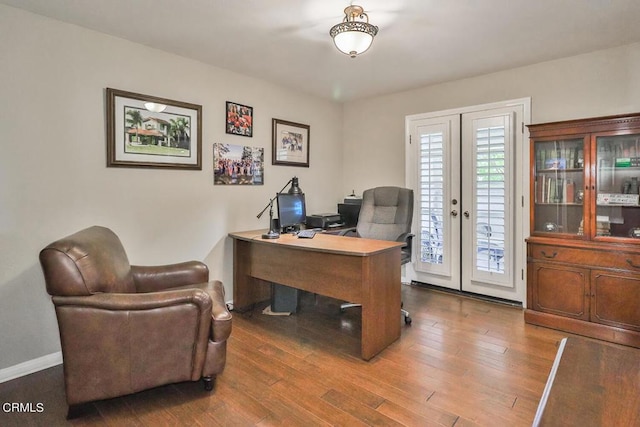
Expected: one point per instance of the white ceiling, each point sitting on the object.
(420, 42)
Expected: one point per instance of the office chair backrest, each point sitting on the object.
(386, 213)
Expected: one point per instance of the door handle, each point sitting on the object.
(454, 213)
(466, 214)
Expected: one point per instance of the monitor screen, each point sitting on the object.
(291, 210)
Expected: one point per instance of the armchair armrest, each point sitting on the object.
(139, 301)
(157, 278)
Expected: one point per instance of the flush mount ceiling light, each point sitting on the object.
(354, 34)
(155, 107)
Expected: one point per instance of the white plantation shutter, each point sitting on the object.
(431, 197)
(490, 198)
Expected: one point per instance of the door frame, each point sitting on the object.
(521, 188)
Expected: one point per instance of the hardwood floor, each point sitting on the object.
(463, 362)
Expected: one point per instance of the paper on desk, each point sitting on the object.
(267, 310)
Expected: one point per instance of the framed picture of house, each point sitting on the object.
(239, 119)
(290, 143)
(151, 132)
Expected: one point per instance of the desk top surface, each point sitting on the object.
(596, 384)
(321, 242)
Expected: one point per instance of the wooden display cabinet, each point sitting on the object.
(583, 253)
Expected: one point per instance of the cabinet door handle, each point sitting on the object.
(630, 262)
(553, 255)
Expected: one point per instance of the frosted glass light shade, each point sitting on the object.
(353, 43)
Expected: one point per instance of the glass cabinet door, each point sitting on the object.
(617, 188)
(559, 186)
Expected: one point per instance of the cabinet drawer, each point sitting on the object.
(586, 257)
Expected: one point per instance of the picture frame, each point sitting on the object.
(290, 143)
(239, 119)
(237, 164)
(145, 131)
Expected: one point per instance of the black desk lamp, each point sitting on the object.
(295, 189)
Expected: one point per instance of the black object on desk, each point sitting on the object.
(323, 220)
(306, 234)
(349, 213)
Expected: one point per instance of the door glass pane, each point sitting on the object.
(431, 197)
(490, 199)
(617, 188)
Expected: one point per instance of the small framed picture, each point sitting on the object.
(239, 119)
(150, 132)
(290, 143)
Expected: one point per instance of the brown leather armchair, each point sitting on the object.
(126, 328)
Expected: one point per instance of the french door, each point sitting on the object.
(461, 166)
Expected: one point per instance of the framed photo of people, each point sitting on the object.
(151, 132)
(237, 164)
(239, 119)
(290, 143)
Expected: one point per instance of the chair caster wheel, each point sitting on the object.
(407, 320)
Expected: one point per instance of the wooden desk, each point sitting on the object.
(361, 271)
(592, 384)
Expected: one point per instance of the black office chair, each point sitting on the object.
(386, 214)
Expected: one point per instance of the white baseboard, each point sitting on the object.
(30, 366)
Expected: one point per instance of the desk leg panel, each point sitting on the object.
(246, 289)
(332, 275)
(381, 301)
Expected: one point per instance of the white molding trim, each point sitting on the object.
(30, 366)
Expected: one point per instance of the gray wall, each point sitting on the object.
(54, 179)
(600, 83)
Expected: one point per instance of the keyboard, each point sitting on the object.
(306, 234)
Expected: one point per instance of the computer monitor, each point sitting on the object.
(291, 211)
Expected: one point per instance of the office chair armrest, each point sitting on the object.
(346, 231)
(405, 238)
(160, 277)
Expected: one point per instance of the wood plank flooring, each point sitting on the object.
(463, 362)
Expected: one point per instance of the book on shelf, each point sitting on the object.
(623, 162)
(569, 191)
(561, 157)
(540, 182)
(551, 189)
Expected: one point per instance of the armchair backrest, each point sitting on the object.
(386, 213)
(87, 262)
